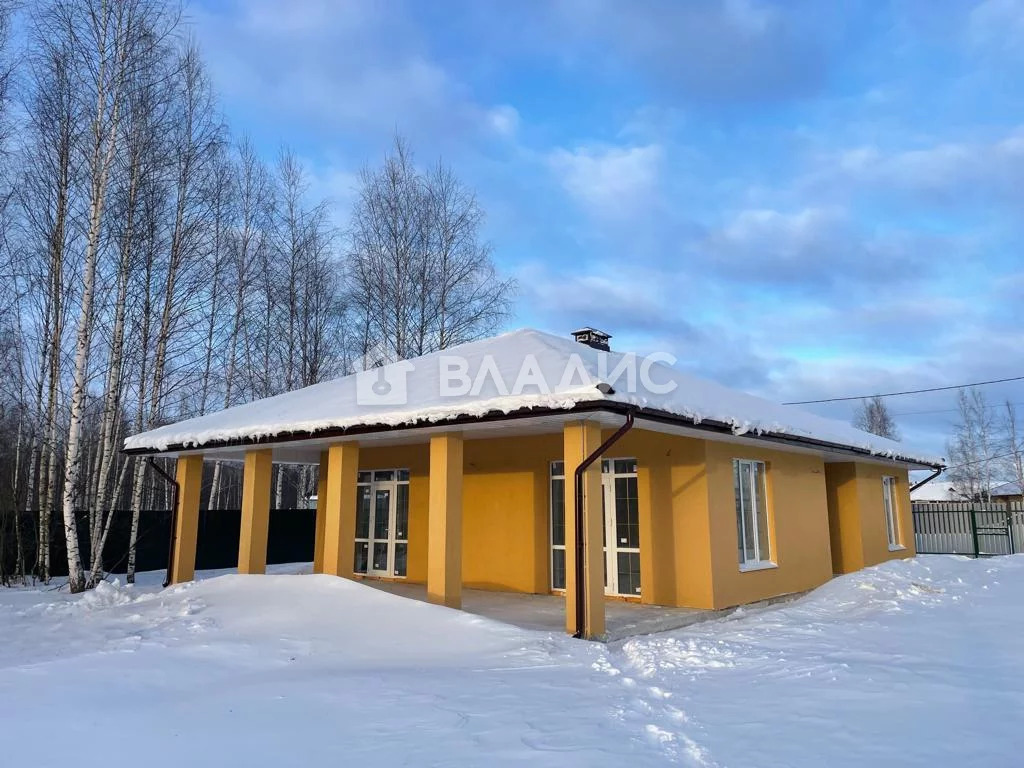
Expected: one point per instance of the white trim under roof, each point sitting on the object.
(308, 450)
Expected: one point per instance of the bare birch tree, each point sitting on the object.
(421, 277)
(308, 329)
(153, 271)
(873, 416)
(246, 247)
(194, 146)
(112, 40)
(1012, 452)
(46, 195)
(973, 448)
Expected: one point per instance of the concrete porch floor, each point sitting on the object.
(547, 612)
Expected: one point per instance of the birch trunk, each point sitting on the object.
(113, 384)
(109, 92)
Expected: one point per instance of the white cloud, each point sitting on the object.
(337, 183)
(610, 181)
(715, 51)
(960, 172)
(331, 69)
(997, 26)
(752, 17)
(305, 17)
(763, 227)
(504, 120)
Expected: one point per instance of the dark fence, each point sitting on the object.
(968, 528)
(290, 539)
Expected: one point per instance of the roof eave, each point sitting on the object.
(649, 414)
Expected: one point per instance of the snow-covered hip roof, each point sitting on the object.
(524, 370)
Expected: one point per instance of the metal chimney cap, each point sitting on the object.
(592, 338)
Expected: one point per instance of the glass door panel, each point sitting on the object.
(401, 558)
(382, 513)
(379, 562)
(401, 527)
(609, 587)
(380, 558)
(362, 538)
(362, 557)
(622, 528)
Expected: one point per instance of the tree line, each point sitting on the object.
(985, 449)
(156, 267)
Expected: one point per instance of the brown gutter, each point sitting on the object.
(581, 528)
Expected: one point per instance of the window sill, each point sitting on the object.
(757, 566)
(896, 548)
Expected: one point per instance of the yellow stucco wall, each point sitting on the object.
(844, 517)
(798, 525)
(675, 551)
(687, 516)
(688, 547)
(857, 511)
(505, 509)
(505, 513)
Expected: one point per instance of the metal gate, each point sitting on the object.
(966, 528)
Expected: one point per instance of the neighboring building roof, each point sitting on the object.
(936, 490)
(362, 402)
(1006, 489)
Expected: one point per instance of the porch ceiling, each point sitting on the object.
(308, 451)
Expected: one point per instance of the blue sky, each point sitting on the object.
(801, 199)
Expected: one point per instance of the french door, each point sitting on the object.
(382, 523)
(621, 528)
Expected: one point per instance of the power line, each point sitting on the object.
(907, 392)
(981, 461)
(949, 410)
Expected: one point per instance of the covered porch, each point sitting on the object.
(471, 528)
(623, 619)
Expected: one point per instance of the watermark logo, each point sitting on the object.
(460, 377)
(387, 385)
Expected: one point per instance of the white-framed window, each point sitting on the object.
(752, 527)
(892, 517)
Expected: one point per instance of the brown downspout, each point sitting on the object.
(174, 519)
(928, 479)
(581, 547)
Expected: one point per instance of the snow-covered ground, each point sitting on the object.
(910, 663)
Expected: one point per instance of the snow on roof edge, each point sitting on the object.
(435, 415)
(334, 405)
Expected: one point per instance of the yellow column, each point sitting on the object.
(252, 540)
(444, 521)
(580, 439)
(189, 475)
(340, 509)
(321, 515)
